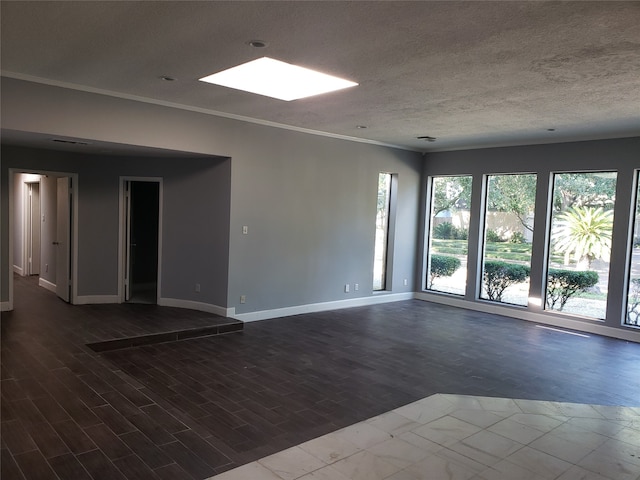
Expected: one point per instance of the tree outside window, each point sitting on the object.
(508, 221)
(580, 249)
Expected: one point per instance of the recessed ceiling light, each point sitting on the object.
(276, 79)
(551, 129)
(361, 127)
(166, 78)
(427, 138)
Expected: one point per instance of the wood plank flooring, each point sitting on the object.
(194, 408)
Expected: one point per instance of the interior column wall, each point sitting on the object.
(308, 201)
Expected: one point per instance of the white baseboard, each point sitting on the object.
(18, 270)
(200, 306)
(92, 299)
(595, 327)
(6, 306)
(320, 307)
(47, 284)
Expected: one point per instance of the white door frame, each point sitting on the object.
(74, 229)
(123, 243)
(63, 242)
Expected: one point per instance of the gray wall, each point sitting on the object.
(195, 217)
(309, 201)
(310, 205)
(622, 155)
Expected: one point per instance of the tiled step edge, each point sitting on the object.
(163, 337)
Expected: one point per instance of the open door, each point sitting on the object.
(32, 223)
(141, 232)
(63, 239)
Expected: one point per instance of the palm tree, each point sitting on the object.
(584, 232)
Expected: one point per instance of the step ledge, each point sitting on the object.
(163, 337)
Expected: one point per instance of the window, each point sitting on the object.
(632, 316)
(580, 243)
(508, 232)
(382, 232)
(450, 201)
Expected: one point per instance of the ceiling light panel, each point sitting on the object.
(276, 79)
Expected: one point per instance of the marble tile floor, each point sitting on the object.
(459, 437)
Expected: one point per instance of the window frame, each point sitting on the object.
(633, 222)
(548, 248)
(428, 233)
(482, 237)
(387, 255)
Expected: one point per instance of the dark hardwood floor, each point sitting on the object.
(190, 409)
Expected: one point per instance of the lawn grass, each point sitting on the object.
(519, 252)
(515, 252)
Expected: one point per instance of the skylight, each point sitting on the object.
(276, 79)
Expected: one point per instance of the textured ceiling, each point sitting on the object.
(472, 74)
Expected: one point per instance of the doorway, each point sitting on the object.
(32, 225)
(141, 238)
(43, 231)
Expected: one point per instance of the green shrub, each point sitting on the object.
(493, 236)
(497, 276)
(518, 237)
(564, 284)
(442, 266)
(448, 231)
(443, 231)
